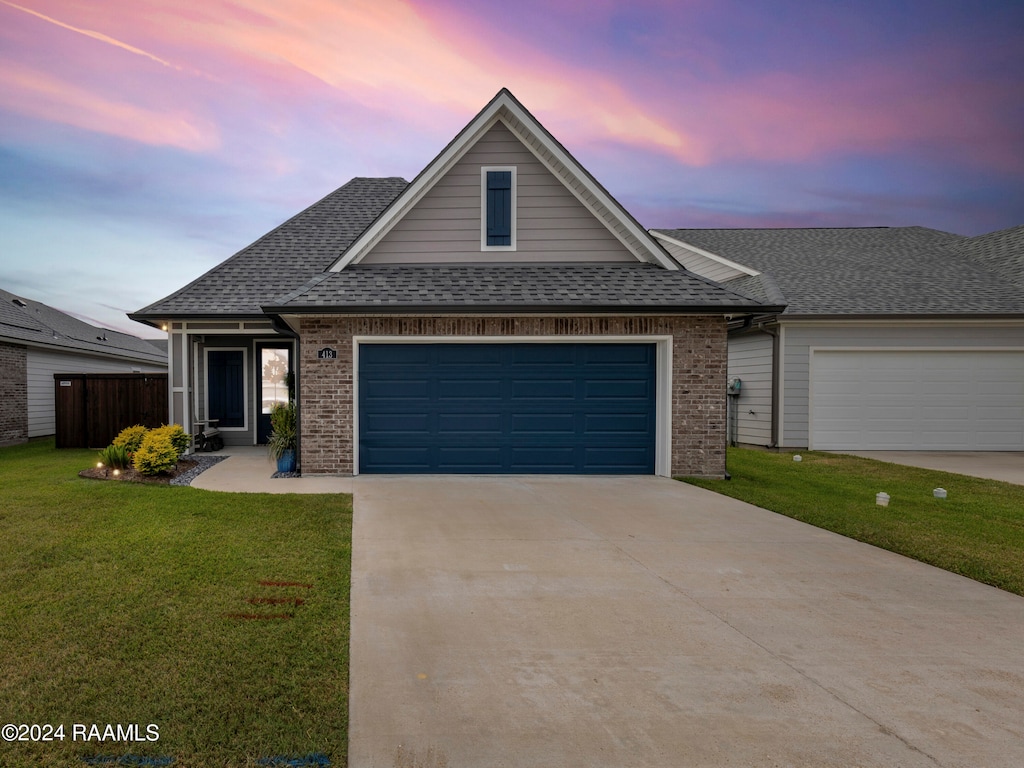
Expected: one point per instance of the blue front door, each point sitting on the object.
(225, 378)
(507, 408)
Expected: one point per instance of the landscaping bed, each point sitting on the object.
(186, 470)
(132, 475)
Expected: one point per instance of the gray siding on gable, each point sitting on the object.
(702, 265)
(750, 359)
(799, 338)
(552, 224)
(42, 364)
(580, 186)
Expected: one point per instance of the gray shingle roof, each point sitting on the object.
(39, 324)
(761, 287)
(285, 257)
(1002, 252)
(864, 271)
(513, 287)
(285, 270)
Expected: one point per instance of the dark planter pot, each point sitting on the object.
(287, 461)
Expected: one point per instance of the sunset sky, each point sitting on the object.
(144, 141)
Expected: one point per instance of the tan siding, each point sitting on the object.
(603, 213)
(552, 224)
(750, 359)
(702, 265)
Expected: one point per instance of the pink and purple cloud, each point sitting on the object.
(188, 129)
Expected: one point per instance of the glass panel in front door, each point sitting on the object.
(274, 367)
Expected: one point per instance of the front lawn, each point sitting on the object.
(978, 531)
(220, 619)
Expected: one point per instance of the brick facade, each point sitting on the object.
(13, 394)
(699, 360)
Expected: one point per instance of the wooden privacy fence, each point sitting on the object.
(91, 408)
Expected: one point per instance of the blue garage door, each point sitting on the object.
(507, 408)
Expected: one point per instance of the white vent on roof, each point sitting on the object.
(19, 303)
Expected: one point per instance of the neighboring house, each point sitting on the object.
(892, 339)
(37, 341)
(501, 313)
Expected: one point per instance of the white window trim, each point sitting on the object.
(662, 376)
(245, 385)
(483, 207)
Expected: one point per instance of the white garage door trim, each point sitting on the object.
(663, 395)
(975, 396)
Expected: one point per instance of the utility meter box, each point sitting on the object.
(734, 386)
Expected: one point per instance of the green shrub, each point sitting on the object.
(283, 432)
(115, 457)
(179, 438)
(156, 454)
(130, 438)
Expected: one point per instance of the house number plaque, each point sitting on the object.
(327, 354)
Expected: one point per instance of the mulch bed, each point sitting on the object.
(131, 475)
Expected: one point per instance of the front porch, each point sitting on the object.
(248, 469)
(232, 373)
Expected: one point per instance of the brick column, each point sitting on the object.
(13, 394)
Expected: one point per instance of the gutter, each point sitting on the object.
(156, 319)
(514, 309)
(776, 381)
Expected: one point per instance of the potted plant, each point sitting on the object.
(283, 436)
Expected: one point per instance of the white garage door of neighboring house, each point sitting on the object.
(917, 400)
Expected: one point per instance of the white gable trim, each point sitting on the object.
(706, 254)
(522, 124)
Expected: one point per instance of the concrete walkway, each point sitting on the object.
(249, 470)
(570, 621)
(1007, 466)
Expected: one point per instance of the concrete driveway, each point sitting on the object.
(569, 621)
(1007, 466)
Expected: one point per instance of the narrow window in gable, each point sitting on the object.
(498, 208)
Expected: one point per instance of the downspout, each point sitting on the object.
(285, 330)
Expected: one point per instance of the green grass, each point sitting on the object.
(978, 531)
(114, 609)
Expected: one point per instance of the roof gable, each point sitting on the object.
(507, 111)
(552, 224)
